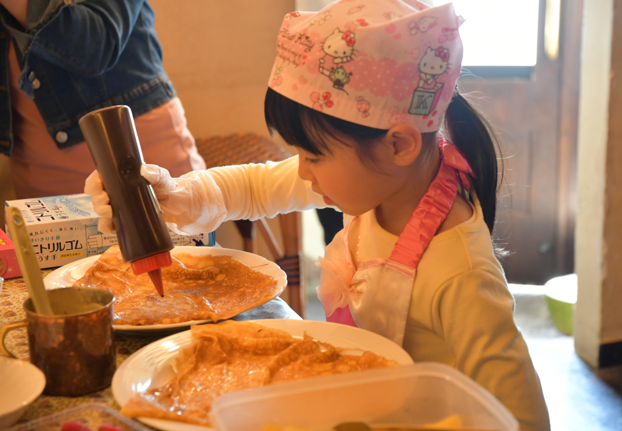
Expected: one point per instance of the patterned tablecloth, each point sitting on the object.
(15, 292)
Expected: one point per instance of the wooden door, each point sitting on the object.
(534, 110)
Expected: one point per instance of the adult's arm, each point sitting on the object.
(84, 37)
(200, 201)
(17, 8)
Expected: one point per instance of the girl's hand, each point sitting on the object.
(100, 200)
(191, 204)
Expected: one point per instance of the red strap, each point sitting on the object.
(343, 316)
(433, 208)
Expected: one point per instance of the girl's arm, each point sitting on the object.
(201, 200)
(86, 37)
(253, 191)
(476, 311)
(238, 192)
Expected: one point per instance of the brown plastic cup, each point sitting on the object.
(75, 347)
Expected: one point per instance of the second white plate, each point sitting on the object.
(67, 275)
(150, 366)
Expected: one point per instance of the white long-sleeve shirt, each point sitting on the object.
(461, 311)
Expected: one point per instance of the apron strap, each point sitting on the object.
(434, 206)
(422, 225)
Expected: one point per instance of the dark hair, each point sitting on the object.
(307, 129)
(471, 132)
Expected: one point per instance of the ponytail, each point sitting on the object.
(473, 135)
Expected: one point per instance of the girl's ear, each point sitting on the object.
(404, 143)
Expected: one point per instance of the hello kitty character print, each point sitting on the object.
(433, 64)
(381, 61)
(422, 25)
(340, 47)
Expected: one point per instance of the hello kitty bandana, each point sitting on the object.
(371, 62)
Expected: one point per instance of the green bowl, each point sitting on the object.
(561, 298)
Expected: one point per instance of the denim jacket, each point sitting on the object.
(80, 55)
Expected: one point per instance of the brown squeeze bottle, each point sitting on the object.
(143, 237)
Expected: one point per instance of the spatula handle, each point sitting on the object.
(27, 261)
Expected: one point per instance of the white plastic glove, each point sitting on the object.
(94, 188)
(190, 205)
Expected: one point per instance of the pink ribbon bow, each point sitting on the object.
(348, 36)
(440, 52)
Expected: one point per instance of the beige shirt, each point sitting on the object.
(461, 311)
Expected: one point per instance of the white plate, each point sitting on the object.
(20, 384)
(151, 366)
(67, 275)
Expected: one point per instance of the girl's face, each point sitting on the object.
(345, 181)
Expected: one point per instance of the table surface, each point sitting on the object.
(15, 292)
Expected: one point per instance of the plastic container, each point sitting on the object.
(411, 394)
(561, 298)
(93, 415)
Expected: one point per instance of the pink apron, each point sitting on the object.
(376, 296)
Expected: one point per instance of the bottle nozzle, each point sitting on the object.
(156, 279)
(152, 265)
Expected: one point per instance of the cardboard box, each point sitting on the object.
(63, 229)
(9, 266)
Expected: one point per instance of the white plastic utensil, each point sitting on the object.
(27, 261)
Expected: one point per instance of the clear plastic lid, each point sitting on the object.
(92, 415)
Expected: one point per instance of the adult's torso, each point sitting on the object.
(62, 90)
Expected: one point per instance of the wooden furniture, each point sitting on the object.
(246, 148)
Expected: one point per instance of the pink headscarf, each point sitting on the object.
(371, 62)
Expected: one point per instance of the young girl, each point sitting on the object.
(361, 89)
